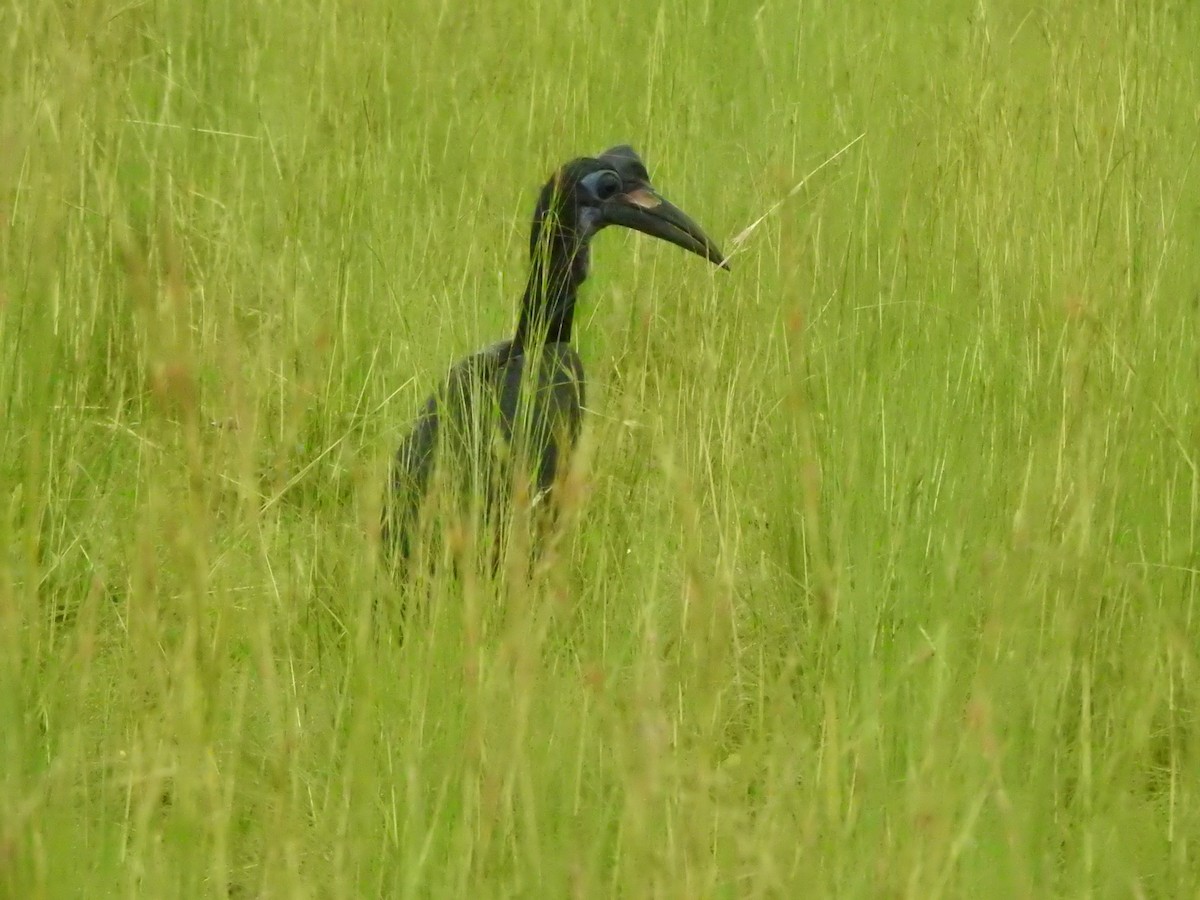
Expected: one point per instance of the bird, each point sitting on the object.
(512, 413)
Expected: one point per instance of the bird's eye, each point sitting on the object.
(605, 184)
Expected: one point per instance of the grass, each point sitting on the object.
(885, 574)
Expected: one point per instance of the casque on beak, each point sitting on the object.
(644, 209)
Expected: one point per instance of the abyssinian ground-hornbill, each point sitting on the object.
(513, 410)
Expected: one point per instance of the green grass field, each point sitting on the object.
(884, 578)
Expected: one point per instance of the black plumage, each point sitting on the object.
(511, 414)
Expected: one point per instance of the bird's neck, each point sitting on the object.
(559, 267)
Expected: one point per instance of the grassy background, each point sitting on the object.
(886, 574)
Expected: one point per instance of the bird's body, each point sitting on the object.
(481, 432)
(511, 414)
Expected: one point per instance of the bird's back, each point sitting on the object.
(500, 415)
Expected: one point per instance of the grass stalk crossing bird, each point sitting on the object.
(511, 413)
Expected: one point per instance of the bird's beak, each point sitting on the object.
(642, 209)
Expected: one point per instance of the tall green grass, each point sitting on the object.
(884, 573)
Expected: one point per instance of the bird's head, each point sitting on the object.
(614, 188)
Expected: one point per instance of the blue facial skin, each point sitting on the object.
(600, 186)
